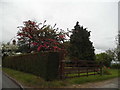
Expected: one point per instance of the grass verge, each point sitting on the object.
(79, 80)
(30, 80)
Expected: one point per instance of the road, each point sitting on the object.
(5, 82)
(8, 83)
(0, 78)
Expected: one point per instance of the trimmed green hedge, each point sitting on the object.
(115, 66)
(44, 64)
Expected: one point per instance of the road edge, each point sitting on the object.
(15, 81)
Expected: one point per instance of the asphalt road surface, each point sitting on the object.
(8, 83)
(0, 78)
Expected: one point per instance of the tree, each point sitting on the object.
(33, 37)
(80, 46)
(9, 49)
(113, 53)
(104, 58)
(118, 45)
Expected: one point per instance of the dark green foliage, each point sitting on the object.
(106, 71)
(23, 46)
(115, 66)
(80, 46)
(44, 64)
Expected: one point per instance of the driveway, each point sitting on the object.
(112, 83)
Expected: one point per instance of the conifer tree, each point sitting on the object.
(81, 47)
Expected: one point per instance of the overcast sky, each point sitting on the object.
(99, 16)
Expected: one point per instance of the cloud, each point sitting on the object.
(99, 17)
(97, 51)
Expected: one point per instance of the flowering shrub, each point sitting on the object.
(40, 38)
(9, 49)
(106, 71)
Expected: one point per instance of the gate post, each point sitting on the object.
(61, 64)
(101, 65)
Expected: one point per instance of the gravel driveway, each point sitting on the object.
(112, 83)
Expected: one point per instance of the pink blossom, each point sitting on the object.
(56, 48)
(56, 43)
(34, 43)
(38, 49)
(52, 40)
(30, 37)
(46, 42)
(61, 36)
(19, 38)
(20, 34)
(108, 67)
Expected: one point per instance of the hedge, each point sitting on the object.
(43, 64)
(115, 66)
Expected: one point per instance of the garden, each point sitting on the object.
(43, 48)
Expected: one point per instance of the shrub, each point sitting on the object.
(106, 71)
(104, 58)
(115, 66)
(43, 64)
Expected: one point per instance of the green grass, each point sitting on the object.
(34, 81)
(79, 80)
(31, 80)
(81, 74)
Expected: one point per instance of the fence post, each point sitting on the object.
(94, 70)
(78, 69)
(61, 64)
(101, 65)
(87, 71)
(62, 70)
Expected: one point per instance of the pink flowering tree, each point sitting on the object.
(33, 36)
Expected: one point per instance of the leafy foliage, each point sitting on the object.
(115, 66)
(104, 58)
(106, 71)
(113, 53)
(80, 45)
(9, 49)
(44, 64)
(34, 37)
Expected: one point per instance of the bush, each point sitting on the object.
(106, 71)
(104, 58)
(115, 66)
(43, 64)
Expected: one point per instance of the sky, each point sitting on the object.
(98, 16)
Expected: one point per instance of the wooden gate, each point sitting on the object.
(79, 68)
